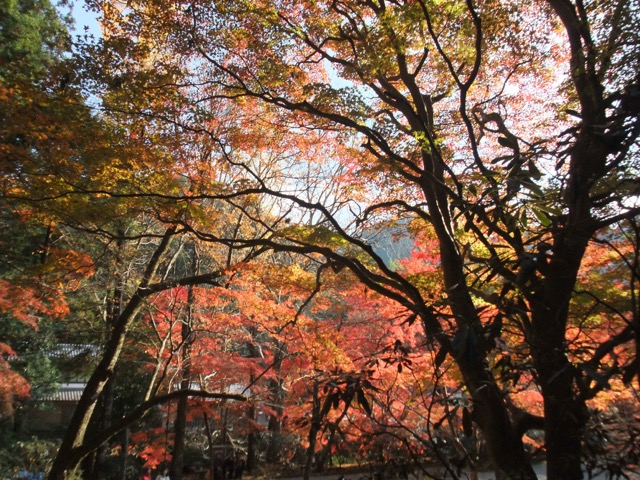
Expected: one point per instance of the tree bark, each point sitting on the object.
(114, 310)
(565, 414)
(99, 470)
(490, 411)
(252, 448)
(565, 411)
(180, 425)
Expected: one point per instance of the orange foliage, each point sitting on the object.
(12, 385)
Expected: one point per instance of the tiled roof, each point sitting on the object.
(68, 392)
(71, 350)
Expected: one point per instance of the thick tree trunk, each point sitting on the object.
(565, 415)
(489, 408)
(490, 413)
(565, 418)
(274, 447)
(564, 412)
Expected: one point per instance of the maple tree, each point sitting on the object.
(165, 263)
(133, 296)
(501, 138)
(444, 112)
(56, 163)
(77, 443)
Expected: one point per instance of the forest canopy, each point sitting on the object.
(304, 231)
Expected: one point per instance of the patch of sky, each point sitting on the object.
(85, 20)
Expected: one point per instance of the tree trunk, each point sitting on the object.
(125, 453)
(489, 408)
(565, 414)
(325, 455)
(252, 450)
(180, 426)
(274, 447)
(68, 456)
(99, 466)
(313, 432)
(114, 310)
(490, 413)
(212, 454)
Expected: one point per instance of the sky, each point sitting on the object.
(83, 19)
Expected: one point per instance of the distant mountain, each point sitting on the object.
(391, 243)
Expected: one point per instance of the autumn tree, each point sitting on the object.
(605, 312)
(122, 194)
(511, 130)
(56, 162)
(34, 39)
(49, 134)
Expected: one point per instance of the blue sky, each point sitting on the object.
(84, 19)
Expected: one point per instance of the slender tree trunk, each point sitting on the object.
(125, 454)
(114, 310)
(252, 454)
(177, 462)
(313, 432)
(180, 426)
(46, 245)
(252, 450)
(68, 455)
(212, 454)
(325, 455)
(274, 448)
(99, 469)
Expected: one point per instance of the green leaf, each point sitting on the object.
(544, 220)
